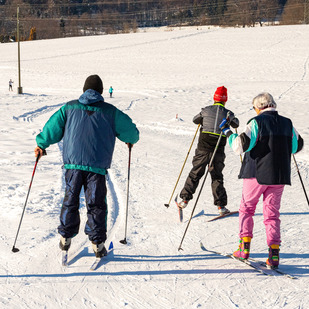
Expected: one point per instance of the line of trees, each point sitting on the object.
(61, 18)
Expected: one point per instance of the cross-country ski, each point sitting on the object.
(98, 260)
(180, 210)
(64, 258)
(258, 266)
(223, 216)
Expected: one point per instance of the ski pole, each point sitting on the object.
(209, 165)
(14, 249)
(124, 241)
(240, 154)
(168, 204)
(301, 179)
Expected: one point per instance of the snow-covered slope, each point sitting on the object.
(156, 75)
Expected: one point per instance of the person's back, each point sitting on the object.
(88, 127)
(210, 118)
(92, 128)
(270, 159)
(268, 142)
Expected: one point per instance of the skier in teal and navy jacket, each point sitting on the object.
(88, 127)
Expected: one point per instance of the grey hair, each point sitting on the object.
(264, 100)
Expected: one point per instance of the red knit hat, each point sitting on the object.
(220, 94)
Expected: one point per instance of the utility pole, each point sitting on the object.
(19, 88)
(306, 12)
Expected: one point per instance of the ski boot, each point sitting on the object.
(273, 257)
(183, 204)
(223, 210)
(99, 249)
(243, 250)
(65, 243)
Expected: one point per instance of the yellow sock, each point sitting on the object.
(274, 246)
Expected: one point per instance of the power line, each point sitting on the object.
(144, 11)
(151, 15)
(128, 3)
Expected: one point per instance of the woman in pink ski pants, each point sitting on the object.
(251, 193)
(268, 142)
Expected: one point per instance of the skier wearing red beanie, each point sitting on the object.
(220, 94)
(209, 118)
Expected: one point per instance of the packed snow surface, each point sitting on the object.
(161, 79)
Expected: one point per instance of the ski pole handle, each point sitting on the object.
(240, 154)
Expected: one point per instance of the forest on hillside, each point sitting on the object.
(45, 19)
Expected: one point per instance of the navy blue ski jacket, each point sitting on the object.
(89, 127)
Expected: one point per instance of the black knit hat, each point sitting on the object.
(93, 82)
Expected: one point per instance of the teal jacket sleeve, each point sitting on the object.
(246, 140)
(53, 130)
(126, 130)
(297, 142)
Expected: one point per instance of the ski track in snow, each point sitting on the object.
(122, 46)
(296, 83)
(29, 116)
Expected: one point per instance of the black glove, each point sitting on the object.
(232, 120)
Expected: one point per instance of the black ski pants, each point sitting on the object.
(95, 196)
(200, 162)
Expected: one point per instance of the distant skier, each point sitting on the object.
(110, 91)
(11, 85)
(210, 117)
(268, 141)
(88, 127)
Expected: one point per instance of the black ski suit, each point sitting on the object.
(210, 118)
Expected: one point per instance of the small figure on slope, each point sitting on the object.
(268, 141)
(11, 85)
(210, 117)
(88, 127)
(110, 91)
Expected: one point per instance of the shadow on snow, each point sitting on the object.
(295, 270)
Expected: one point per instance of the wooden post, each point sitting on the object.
(19, 88)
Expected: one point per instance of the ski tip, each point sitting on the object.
(111, 246)
(202, 246)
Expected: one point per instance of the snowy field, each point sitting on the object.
(156, 75)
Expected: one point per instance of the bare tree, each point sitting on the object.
(266, 11)
(239, 13)
(295, 12)
(60, 18)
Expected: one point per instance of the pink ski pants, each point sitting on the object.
(251, 193)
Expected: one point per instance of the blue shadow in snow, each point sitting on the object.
(136, 273)
(81, 254)
(202, 213)
(301, 270)
(293, 213)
